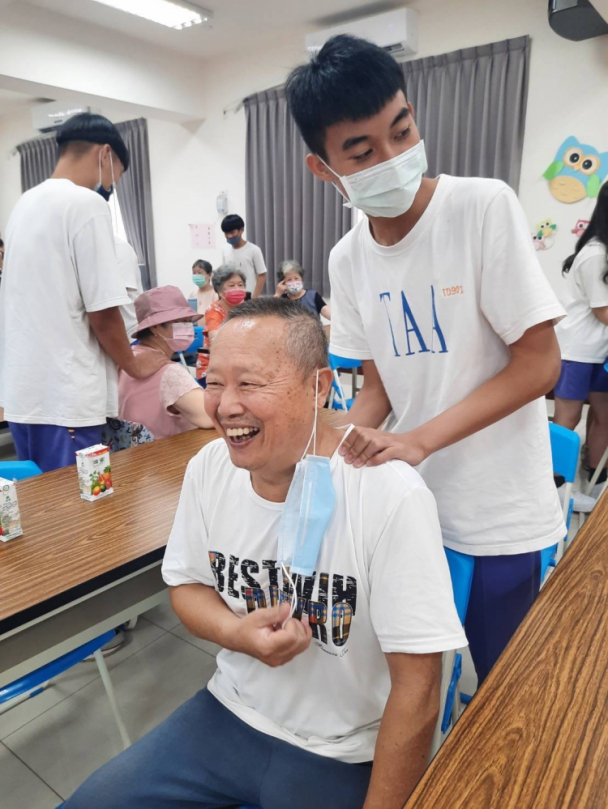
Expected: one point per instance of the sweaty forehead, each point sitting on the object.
(259, 342)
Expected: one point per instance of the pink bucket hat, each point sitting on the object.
(162, 305)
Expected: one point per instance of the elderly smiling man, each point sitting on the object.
(326, 586)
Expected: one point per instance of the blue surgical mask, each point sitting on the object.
(307, 511)
(200, 279)
(234, 240)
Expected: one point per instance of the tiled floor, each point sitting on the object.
(51, 743)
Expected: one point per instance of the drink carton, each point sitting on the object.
(10, 519)
(94, 472)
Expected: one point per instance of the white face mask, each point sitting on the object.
(388, 189)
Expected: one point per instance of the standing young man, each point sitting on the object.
(245, 256)
(440, 294)
(59, 351)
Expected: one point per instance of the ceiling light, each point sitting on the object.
(172, 13)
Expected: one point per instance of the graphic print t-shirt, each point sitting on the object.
(437, 312)
(582, 337)
(381, 585)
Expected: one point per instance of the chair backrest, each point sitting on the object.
(19, 470)
(565, 450)
(336, 362)
(197, 342)
(461, 572)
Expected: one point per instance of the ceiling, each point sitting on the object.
(238, 24)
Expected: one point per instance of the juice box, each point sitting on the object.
(10, 519)
(94, 472)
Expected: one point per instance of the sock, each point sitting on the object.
(603, 474)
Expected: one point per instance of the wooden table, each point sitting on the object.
(535, 736)
(83, 567)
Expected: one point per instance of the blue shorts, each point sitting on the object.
(578, 379)
(50, 446)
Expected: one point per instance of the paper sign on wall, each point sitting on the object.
(202, 236)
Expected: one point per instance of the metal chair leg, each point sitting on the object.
(107, 682)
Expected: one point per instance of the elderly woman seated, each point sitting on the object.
(170, 401)
(229, 283)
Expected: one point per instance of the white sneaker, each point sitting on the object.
(597, 490)
(582, 502)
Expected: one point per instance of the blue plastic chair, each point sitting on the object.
(34, 682)
(339, 400)
(19, 470)
(196, 343)
(565, 451)
(461, 567)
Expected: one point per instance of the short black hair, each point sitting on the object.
(232, 222)
(89, 128)
(350, 79)
(200, 264)
(305, 341)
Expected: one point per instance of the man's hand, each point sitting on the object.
(145, 364)
(365, 446)
(261, 634)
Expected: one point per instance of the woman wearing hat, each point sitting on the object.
(170, 401)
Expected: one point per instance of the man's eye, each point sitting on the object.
(403, 134)
(360, 157)
(213, 384)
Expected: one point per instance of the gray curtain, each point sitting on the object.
(135, 198)
(289, 212)
(470, 107)
(38, 158)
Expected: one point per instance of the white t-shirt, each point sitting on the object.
(53, 370)
(247, 258)
(131, 274)
(582, 337)
(436, 313)
(381, 564)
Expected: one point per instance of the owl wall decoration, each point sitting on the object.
(580, 227)
(577, 171)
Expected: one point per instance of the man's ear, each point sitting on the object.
(325, 379)
(319, 169)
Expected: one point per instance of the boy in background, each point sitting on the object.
(244, 255)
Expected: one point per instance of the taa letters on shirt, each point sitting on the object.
(418, 340)
(329, 599)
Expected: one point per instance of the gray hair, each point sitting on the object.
(289, 265)
(224, 273)
(305, 340)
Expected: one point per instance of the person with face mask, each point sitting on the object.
(60, 351)
(439, 292)
(245, 256)
(326, 585)
(203, 292)
(229, 284)
(170, 401)
(291, 286)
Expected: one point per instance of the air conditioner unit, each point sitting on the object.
(50, 116)
(395, 31)
(576, 20)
